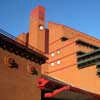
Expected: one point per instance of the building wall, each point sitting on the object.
(18, 84)
(56, 31)
(59, 51)
(85, 79)
(67, 71)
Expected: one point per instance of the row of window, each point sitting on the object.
(86, 44)
(58, 52)
(12, 63)
(53, 63)
(53, 54)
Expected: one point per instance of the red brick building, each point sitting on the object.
(71, 72)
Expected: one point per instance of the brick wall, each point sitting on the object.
(17, 84)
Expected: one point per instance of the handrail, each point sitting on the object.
(17, 39)
(90, 59)
(7, 34)
(84, 55)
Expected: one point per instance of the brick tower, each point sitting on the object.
(37, 28)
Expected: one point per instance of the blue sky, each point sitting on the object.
(83, 15)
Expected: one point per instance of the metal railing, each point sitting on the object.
(7, 34)
(16, 39)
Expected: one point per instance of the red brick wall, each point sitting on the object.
(17, 84)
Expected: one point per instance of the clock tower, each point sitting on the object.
(37, 28)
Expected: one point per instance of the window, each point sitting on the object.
(52, 64)
(52, 54)
(58, 52)
(32, 69)
(12, 63)
(98, 71)
(64, 38)
(41, 27)
(58, 62)
(86, 44)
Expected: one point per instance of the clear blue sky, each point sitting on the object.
(83, 15)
